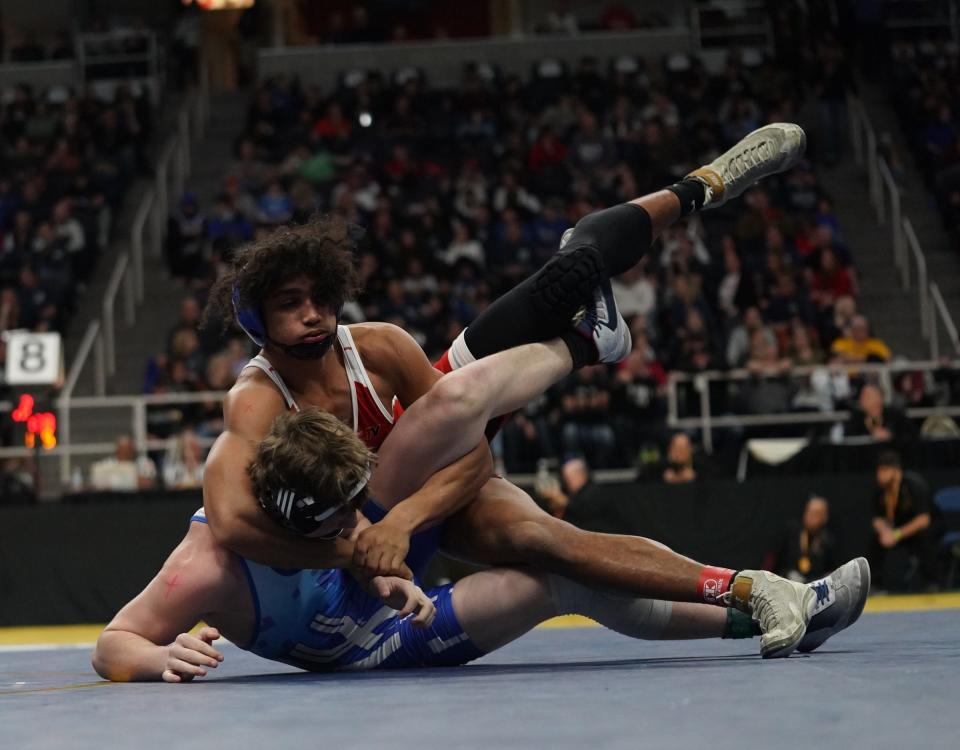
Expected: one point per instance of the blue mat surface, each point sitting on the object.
(892, 681)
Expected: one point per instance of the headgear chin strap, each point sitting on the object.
(249, 319)
(308, 351)
(303, 514)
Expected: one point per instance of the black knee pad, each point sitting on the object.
(622, 234)
(568, 279)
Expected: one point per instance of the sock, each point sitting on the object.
(740, 625)
(714, 583)
(692, 193)
(583, 351)
(634, 617)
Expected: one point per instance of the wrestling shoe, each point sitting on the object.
(766, 151)
(601, 322)
(840, 599)
(782, 609)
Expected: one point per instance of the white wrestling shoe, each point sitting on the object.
(602, 323)
(782, 608)
(766, 151)
(840, 599)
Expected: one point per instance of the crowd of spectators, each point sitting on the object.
(66, 161)
(925, 90)
(464, 192)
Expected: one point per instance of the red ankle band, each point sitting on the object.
(714, 583)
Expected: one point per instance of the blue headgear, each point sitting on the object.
(248, 318)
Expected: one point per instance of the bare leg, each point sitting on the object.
(449, 420)
(497, 606)
(503, 526)
(663, 208)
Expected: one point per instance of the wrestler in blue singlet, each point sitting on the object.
(324, 620)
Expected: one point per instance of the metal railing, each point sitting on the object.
(139, 406)
(908, 254)
(147, 229)
(92, 341)
(923, 288)
(122, 274)
(706, 421)
(941, 313)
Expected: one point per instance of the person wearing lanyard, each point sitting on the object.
(808, 547)
(901, 518)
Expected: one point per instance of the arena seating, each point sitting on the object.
(464, 192)
(69, 157)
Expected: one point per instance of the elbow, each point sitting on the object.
(230, 533)
(102, 662)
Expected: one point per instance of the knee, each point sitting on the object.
(458, 396)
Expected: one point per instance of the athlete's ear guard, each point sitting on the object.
(248, 319)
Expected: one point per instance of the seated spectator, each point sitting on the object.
(275, 205)
(830, 281)
(463, 246)
(39, 303)
(183, 463)
(635, 292)
(526, 439)
(803, 348)
(836, 325)
(808, 550)
(585, 416)
(124, 471)
(871, 417)
(736, 291)
(571, 498)
(681, 467)
(739, 341)
(902, 554)
(638, 394)
(227, 222)
(694, 347)
(769, 391)
(858, 345)
(186, 232)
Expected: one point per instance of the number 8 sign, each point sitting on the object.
(33, 358)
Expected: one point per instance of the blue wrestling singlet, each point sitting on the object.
(324, 620)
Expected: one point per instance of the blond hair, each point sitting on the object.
(313, 453)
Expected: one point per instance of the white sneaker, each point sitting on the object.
(782, 608)
(840, 599)
(602, 323)
(766, 151)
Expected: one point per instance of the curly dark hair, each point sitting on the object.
(322, 250)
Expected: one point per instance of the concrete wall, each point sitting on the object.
(443, 61)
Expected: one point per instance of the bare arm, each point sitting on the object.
(234, 515)
(149, 637)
